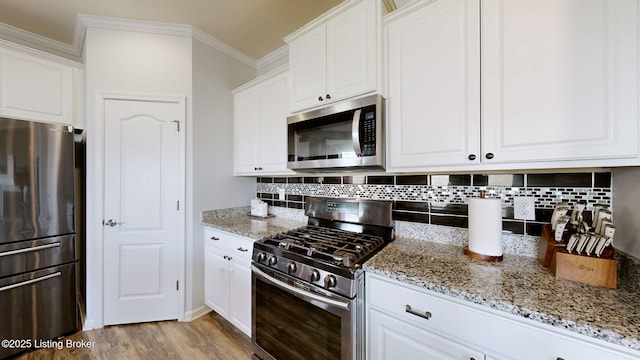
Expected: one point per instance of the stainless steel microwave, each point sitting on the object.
(348, 135)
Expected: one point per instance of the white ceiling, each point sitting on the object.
(253, 27)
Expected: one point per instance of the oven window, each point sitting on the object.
(288, 327)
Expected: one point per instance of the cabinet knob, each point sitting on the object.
(328, 96)
(472, 157)
(489, 156)
(320, 98)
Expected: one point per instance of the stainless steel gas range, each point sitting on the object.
(308, 287)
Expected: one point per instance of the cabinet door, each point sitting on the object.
(216, 280)
(559, 79)
(308, 66)
(273, 124)
(434, 86)
(246, 136)
(352, 52)
(390, 338)
(240, 291)
(35, 89)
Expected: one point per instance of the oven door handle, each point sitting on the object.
(295, 290)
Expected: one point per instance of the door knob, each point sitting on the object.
(111, 222)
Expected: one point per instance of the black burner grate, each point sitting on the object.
(338, 247)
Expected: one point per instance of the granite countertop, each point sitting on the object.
(238, 221)
(518, 285)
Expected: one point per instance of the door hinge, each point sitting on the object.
(178, 205)
(177, 285)
(177, 123)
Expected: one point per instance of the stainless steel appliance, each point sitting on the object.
(37, 234)
(346, 135)
(308, 286)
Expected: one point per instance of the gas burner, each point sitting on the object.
(340, 236)
(338, 247)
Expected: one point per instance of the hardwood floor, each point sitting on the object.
(208, 337)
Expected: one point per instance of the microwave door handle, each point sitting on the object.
(355, 132)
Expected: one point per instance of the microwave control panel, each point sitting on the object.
(368, 131)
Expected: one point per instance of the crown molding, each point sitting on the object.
(114, 23)
(275, 56)
(39, 42)
(223, 47)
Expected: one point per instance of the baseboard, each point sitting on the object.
(196, 313)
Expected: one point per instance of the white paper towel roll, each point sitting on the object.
(485, 226)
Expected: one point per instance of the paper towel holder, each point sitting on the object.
(478, 256)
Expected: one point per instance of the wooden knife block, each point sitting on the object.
(590, 270)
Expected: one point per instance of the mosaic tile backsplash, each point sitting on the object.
(442, 199)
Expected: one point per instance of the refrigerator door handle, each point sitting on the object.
(28, 282)
(31, 249)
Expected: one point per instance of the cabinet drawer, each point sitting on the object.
(233, 244)
(501, 335)
(391, 338)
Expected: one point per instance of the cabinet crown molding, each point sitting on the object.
(321, 19)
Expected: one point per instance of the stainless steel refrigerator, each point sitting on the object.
(38, 256)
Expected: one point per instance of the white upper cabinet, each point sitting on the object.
(551, 83)
(434, 85)
(260, 125)
(37, 86)
(336, 56)
(559, 79)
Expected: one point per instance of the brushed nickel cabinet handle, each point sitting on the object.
(422, 314)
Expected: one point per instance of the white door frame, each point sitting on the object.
(95, 205)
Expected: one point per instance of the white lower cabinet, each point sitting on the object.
(227, 276)
(391, 338)
(456, 329)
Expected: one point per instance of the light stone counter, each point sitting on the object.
(238, 221)
(518, 285)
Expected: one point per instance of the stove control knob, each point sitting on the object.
(330, 281)
(261, 257)
(314, 275)
(291, 267)
(272, 260)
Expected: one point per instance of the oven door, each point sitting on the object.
(291, 320)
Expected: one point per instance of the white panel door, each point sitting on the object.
(143, 202)
(216, 290)
(246, 135)
(272, 122)
(351, 52)
(434, 86)
(35, 89)
(240, 289)
(308, 66)
(559, 79)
